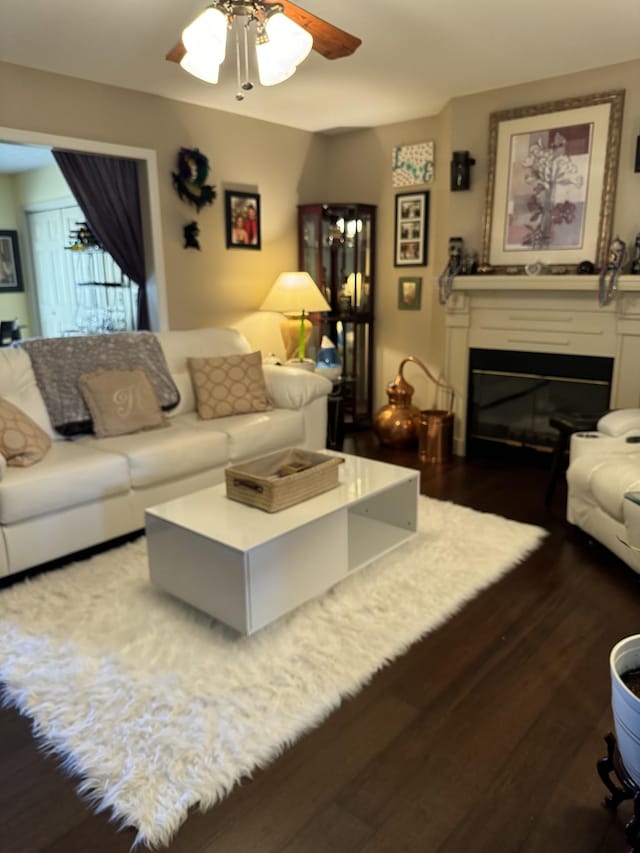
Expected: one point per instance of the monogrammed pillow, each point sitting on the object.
(22, 441)
(229, 385)
(121, 401)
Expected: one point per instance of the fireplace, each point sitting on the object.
(515, 318)
(513, 394)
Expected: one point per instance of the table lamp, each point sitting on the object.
(295, 294)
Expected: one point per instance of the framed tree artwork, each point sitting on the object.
(552, 178)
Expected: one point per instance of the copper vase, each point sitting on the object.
(396, 424)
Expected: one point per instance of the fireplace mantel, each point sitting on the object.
(558, 313)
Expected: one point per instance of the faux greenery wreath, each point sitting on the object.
(189, 180)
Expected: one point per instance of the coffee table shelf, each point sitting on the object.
(247, 568)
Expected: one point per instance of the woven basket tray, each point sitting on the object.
(282, 479)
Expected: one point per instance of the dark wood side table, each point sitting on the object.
(335, 417)
(567, 423)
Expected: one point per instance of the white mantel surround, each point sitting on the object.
(548, 314)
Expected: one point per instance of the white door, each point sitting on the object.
(76, 291)
(53, 268)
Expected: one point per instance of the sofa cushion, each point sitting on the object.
(57, 363)
(69, 475)
(22, 442)
(254, 434)
(121, 401)
(229, 385)
(166, 454)
(180, 345)
(18, 385)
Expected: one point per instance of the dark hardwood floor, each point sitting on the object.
(483, 737)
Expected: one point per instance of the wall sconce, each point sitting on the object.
(461, 171)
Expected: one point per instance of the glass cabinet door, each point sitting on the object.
(337, 248)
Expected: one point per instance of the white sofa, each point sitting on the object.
(604, 466)
(89, 490)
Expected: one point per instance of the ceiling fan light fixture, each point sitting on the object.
(205, 68)
(280, 47)
(207, 34)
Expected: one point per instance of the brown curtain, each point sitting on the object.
(106, 188)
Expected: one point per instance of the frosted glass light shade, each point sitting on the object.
(293, 293)
(207, 35)
(206, 68)
(287, 46)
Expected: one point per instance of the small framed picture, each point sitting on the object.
(242, 218)
(412, 229)
(409, 293)
(10, 269)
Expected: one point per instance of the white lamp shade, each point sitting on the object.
(207, 35)
(293, 293)
(206, 68)
(287, 46)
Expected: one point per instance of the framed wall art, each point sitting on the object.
(552, 177)
(409, 293)
(412, 229)
(10, 269)
(242, 218)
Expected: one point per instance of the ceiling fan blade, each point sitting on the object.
(329, 41)
(177, 52)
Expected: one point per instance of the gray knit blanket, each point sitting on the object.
(57, 363)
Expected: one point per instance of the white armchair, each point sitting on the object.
(603, 474)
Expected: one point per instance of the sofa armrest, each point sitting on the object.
(293, 388)
(619, 422)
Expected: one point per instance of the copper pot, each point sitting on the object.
(398, 423)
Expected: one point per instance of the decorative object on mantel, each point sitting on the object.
(586, 268)
(552, 179)
(635, 264)
(189, 180)
(535, 268)
(412, 164)
(451, 270)
(461, 171)
(191, 232)
(397, 424)
(608, 281)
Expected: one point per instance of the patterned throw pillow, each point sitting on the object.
(22, 441)
(121, 401)
(229, 385)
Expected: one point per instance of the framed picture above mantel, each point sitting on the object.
(551, 182)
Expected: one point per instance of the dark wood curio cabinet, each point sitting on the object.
(337, 248)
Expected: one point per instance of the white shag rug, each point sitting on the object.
(157, 707)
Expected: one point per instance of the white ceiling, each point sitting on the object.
(415, 56)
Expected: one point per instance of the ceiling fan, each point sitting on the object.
(328, 40)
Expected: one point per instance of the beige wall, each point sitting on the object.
(215, 285)
(289, 167)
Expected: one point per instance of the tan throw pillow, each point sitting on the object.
(229, 385)
(22, 441)
(121, 401)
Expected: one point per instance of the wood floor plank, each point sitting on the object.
(483, 737)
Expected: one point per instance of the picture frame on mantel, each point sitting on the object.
(551, 183)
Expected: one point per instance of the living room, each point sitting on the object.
(512, 763)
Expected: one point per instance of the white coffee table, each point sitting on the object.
(247, 567)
